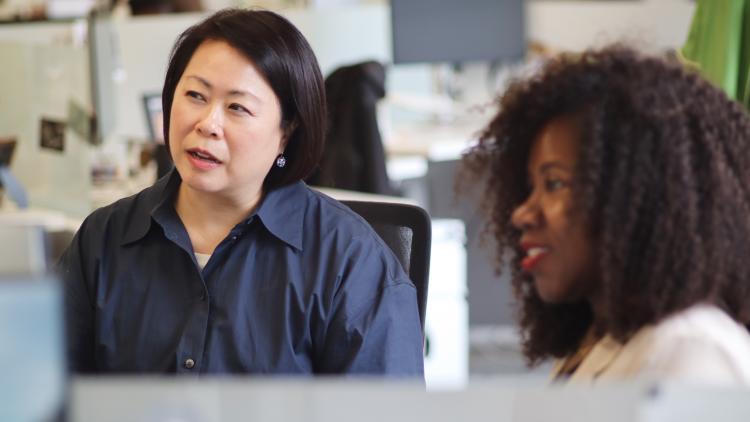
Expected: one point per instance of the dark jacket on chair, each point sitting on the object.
(354, 158)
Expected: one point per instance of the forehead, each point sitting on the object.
(558, 142)
(220, 61)
(214, 50)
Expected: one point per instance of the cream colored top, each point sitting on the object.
(202, 259)
(701, 344)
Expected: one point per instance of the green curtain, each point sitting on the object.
(719, 45)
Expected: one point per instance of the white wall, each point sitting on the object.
(218, 4)
(143, 46)
(576, 25)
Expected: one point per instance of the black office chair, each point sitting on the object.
(407, 230)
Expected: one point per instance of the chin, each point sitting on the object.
(199, 182)
(551, 298)
(547, 291)
(204, 186)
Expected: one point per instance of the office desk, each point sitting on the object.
(336, 399)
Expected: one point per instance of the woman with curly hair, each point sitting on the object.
(619, 182)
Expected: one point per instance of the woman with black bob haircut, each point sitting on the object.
(230, 263)
(617, 185)
(288, 63)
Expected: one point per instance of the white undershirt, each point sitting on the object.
(202, 259)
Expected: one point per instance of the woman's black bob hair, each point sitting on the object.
(283, 56)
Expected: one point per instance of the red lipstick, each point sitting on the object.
(534, 254)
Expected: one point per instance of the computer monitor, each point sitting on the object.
(154, 116)
(155, 119)
(450, 31)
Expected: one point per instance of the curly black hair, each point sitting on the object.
(662, 180)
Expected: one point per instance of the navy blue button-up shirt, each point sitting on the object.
(302, 286)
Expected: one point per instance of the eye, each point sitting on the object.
(239, 108)
(552, 184)
(195, 95)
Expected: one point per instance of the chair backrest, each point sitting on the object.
(407, 230)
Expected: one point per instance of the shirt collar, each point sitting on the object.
(599, 359)
(282, 210)
(155, 200)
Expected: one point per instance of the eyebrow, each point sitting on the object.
(233, 92)
(550, 165)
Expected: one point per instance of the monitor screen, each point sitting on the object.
(154, 116)
(450, 31)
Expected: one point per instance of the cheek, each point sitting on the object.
(175, 122)
(252, 145)
(179, 115)
(571, 272)
(560, 284)
(273, 140)
(579, 259)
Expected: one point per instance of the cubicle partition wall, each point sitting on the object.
(43, 106)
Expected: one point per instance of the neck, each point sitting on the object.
(209, 217)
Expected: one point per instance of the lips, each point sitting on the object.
(202, 160)
(534, 254)
(204, 155)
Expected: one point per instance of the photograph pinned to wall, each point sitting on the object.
(52, 134)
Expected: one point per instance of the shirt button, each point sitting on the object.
(234, 238)
(189, 364)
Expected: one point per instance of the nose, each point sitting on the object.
(526, 216)
(211, 125)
